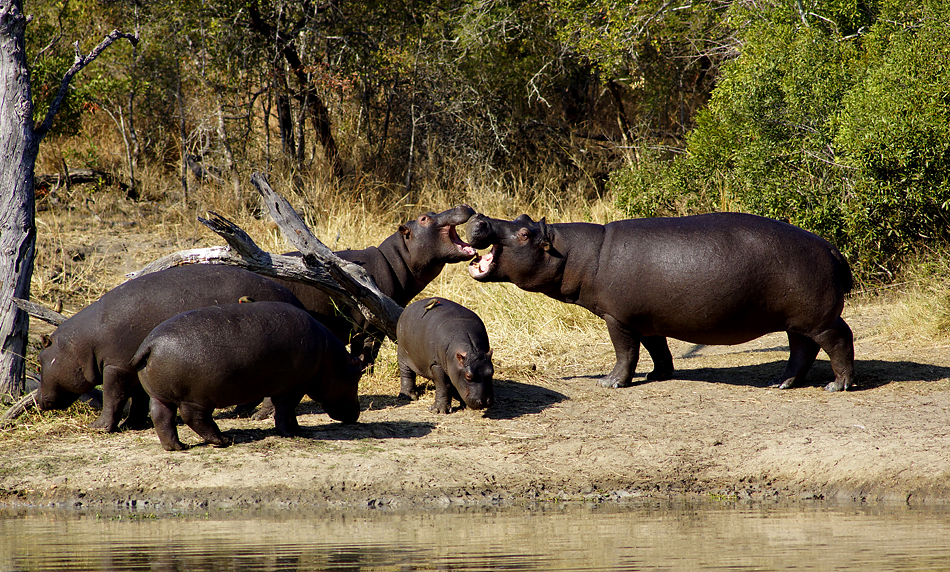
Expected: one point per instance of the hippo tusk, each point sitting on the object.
(26, 403)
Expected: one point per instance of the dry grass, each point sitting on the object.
(921, 307)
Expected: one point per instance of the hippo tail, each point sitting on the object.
(842, 271)
(141, 356)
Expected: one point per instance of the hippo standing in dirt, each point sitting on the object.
(231, 354)
(722, 278)
(402, 266)
(96, 345)
(447, 343)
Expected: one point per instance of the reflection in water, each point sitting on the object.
(703, 537)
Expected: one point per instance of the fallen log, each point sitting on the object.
(319, 266)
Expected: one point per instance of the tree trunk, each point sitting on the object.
(18, 150)
(19, 146)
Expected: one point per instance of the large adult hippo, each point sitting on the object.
(96, 345)
(232, 354)
(722, 278)
(402, 266)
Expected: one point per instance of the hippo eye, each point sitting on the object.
(468, 375)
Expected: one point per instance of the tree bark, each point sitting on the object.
(18, 149)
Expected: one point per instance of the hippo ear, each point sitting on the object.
(460, 356)
(488, 354)
(543, 233)
(46, 341)
(405, 230)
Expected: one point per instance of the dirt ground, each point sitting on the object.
(715, 431)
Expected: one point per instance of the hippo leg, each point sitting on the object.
(838, 343)
(802, 353)
(659, 351)
(115, 392)
(138, 410)
(201, 422)
(407, 383)
(164, 416)
(246, 409)
(443, 396)
(285, 413)
(266, 411)
(627, 348)
(365, 347)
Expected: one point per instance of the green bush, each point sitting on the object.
(839, 124)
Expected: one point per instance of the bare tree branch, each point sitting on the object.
(41, 312)
(378, 308)
(79, 62)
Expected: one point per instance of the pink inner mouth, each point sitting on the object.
(461, 244)
(481, 265)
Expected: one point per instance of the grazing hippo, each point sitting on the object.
(722, 278)
(232, 354)
(402, 266)
(96, 345)
(447, 343)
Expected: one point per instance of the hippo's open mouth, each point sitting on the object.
(481, 266)
(464, 247)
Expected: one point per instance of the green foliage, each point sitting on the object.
(835, 116)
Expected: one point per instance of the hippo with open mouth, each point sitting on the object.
(714, 279)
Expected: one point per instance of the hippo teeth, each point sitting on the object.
(465, 247)
(481, 265)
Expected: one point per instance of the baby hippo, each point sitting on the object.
(447, 343)
(232, 354)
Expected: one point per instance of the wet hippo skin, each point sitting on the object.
(219, 356)
(96, 345)
(447, 343)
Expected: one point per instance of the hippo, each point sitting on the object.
(447, 343)
(96, 345)
(714, 279)
(231, 354)
(402, 266)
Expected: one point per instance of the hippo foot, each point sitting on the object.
(263, 413)
(779, 383)
(222, 443)
(837, 386)
(104, 424)
(659, 375)
(245, 410)
(410, 396)
(436, 408)
(614, 383)
(175, 446)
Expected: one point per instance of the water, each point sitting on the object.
(703, 537)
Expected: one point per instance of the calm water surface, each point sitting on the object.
(656, 537)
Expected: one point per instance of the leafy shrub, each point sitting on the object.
(835, 119)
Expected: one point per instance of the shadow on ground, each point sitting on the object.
(514, 399)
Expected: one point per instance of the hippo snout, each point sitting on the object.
(479, 231)
(346, 413)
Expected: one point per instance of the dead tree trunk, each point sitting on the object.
(19, 146)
